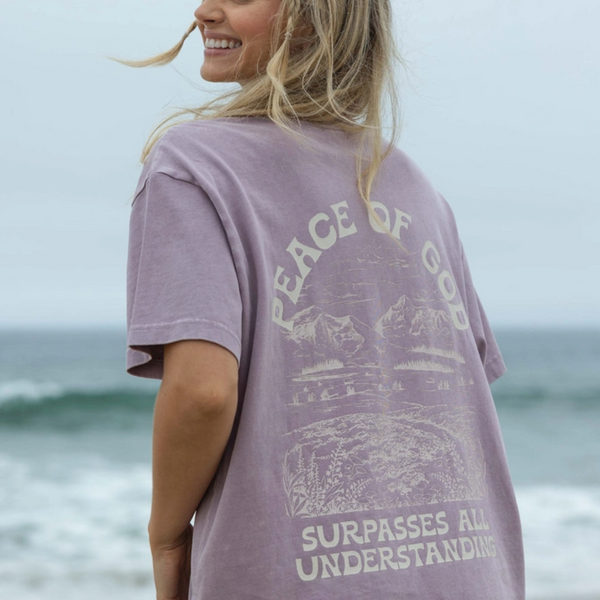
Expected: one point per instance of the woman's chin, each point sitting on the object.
(211, 76)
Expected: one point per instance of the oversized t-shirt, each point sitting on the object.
(366, 459)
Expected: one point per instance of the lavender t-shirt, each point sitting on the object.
(366, 459)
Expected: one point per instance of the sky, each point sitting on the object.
(500, 110)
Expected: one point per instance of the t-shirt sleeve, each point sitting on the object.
(489, 352)
(181, 277)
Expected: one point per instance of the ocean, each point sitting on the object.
(75, 448)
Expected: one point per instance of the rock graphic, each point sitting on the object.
(415, 456)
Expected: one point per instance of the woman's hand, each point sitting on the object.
(172, 565)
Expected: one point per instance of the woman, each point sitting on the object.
(301, 290)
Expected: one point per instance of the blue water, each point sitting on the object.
(75, 433)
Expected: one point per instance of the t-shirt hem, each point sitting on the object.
(143, 360)
(494, 368)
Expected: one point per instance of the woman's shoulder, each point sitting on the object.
(225, 137)
(400, 165)
(191, 134)
(196, 149)
(215, 132)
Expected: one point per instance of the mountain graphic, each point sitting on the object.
(404, 318)
(316, 331)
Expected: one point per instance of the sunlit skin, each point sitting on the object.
(247, 21)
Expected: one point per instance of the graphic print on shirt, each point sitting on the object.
(363, 350)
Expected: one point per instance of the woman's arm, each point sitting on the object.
(193, 417)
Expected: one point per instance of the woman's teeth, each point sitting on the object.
(213, 43)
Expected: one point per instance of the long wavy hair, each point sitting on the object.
(332, 62)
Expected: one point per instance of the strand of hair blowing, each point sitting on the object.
(334, 68)
(161, 59)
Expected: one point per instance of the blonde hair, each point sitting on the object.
(332, 63)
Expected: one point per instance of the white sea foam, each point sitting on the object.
(74, 527)
(74, 531)
(29, 391)
(561, 530)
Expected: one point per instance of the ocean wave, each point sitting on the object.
(530, 395)
(48, 404)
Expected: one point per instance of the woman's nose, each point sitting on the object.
(209, 11)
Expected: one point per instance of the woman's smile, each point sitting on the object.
(219, 45)
(236, 30)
